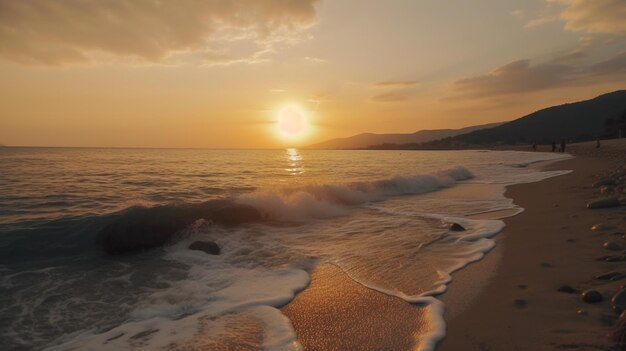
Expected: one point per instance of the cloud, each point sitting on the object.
(594, 16)
(315, 59)
(519, 13)
(393, 96)
(396, 83)
(590, 16)
(522, 77)
(515, 77)
(615, 66)
(214, 31)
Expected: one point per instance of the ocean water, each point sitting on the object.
(380, 216)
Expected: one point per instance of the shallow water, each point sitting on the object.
(381, 216)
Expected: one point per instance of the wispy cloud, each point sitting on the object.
(393, 96)
(590, 16)
(56, 32)
(523, 76)
(594, 16)
(314, 59)
(396, 83)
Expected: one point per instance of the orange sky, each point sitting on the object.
(202, 73)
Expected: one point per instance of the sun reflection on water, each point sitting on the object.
(295, 165)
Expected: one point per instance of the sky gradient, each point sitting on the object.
(192, 73)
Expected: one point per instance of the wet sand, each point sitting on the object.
(507, 301)
(336, 313)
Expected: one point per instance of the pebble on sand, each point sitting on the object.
(591, 296)
(613, 276)
(619, 301)
(603, 203)
(601, 227)
(567, 289)
(611, 245)
(603, 182)
(520, 303)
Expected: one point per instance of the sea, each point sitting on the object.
(382, 217)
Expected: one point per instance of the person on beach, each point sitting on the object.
(562, 145)
(553, 146)
(597, 143)
(534, 146)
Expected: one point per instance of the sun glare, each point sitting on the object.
(292, 122)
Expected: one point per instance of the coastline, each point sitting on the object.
(548, 245)
(506, 301)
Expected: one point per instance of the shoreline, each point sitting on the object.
(506, 301)
(549, 245)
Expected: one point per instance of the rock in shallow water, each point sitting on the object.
(455, 227)
(209, 247)
(591, 296)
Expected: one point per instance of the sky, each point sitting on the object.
(221, 73)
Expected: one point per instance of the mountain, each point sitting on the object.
(365, 140)
(579, 121)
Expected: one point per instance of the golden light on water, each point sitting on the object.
(292, 122)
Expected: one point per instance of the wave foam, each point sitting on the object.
(331, 200)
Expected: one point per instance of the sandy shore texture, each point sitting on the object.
(510, 300)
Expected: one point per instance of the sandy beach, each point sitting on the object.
(510, 300)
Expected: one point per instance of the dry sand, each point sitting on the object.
(507, 301)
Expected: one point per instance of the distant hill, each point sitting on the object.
(366, 140)
(579, 121)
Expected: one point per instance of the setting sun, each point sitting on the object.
(292, 122)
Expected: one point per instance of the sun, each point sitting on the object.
(292, 122)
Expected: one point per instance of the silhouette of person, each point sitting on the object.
(597, 143)
(553, 146)
(562, 145)
(534, 146)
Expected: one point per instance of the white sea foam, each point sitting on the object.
(331, 200)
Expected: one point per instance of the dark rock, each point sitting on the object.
(455, 227)
(613, 258)
(207, 246)
(546, 265)
(603, 203)
(610, 276)
(619, 301)
(567, 289)
(591, 296)
(612, 245)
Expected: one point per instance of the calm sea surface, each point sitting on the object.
(381, 216)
